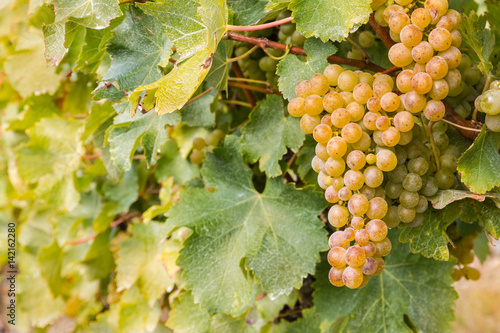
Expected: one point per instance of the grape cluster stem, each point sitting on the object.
(264, 42)
(248, 93)
(259, 26)
(382, 32)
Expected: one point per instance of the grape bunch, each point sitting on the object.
(427, 50)
(489, 103)
(203, 145)
(463, 251)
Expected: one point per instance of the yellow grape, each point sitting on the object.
(296, 107)
(356, 110)
(332, 73)
(308, 123)
(411, 35)
(400, 55)
(373, 104)
(340, 117)
(453, 57)
(403, 81)
(422, 52)
(362, 92)
(332, 101)
(336, 147)
(303, 89)
(434, 110)
(390, 102)
(352, 277)
(335, 167)
(421, 83)
(322, 133)
(313, 105)
(414, 102)
(338, 216)
(386, 160)
(391, 137)
(351, 132)
(421, 18)
(398, 21)
(440, 39)
(404, 121)
(319, 84)
(440, 5)
(335, 276)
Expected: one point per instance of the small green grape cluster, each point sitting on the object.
(427, 50)
(203, 145)
(288, 33)
(489, 103)
(463, 250)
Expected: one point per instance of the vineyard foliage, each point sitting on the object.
(158, 183)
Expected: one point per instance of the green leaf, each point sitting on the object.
(123, 193)
(136, 50)
(269, 132)
(444, 198)
(54, 43)
(99, 114)
(479, 38)
(276, 5)
(95, 14)
(139, 261)
(126, 133)
(199, 113)
(276, 231)
(109, 92)
(247, 12)
(482, 247)
(50, 157)
(35, 108)
(407, 286)
(430, 238)
(49, 261)
(172, 164)
(135, 314)
(217, 76)
(99, 259)
(94, 48)
(292, 70)
(479, 166)
(27, 70)
(486, 212)
(188, 317)
(195, 29)
(329, 19)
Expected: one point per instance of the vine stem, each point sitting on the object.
(250, 87)
(462, 127)
(433, 144)
(264, 42)
(382, 32)
(236, 102)
(248, 93)
(199, 95)
(456, 119)
(360, 49)
(259, 26)
(112, 225)
(244, 55)
(391, 70)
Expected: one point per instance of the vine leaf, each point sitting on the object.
(429, 238)
(292, 70)
(172, 164)
(187, 317)
(479, 166)
(50, 158)
(487, 213)
(94, 48)
(247, 12)
(329, 19)
(137, 48)
(126, 133)
(269, 132)
(444, 198)
(54, 43)
(217, 76)
(275, 234)
(95, 14)
(479, 38)
(139, 261)
(407, 286)
(195, 29)
(200, 112)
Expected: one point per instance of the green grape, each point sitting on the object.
(319, 84)
(377, 208)
(412, 182)
(335, 166)
(411, 35)
(472, 273)
(332, 72)
(398, 174)
(308, 123)
(383, 247)
(345, 194)
(352, 277)
(354, 54)
(298, 38)
(377, 229)
(417, 220)
(197, 156)
(437, 67)
(430, 187)
(336, 147)
(441, 140)
(268, 64)
(392, 217)
(406, 215)
(454, 80)
(215, 137)
(418, 165)
(336, 257)
(366, 39)
(356, 110)
(322, 133)
(367, 191)
(451, 150)
(493, 122)
(356, 160)
(401, 153)
(199, 143)
(490, 102)
(386, 160)
(313, 104)
(422, 205)
(373, 176)
(448, 162)
(358, 204)
(409, 199)
(369, 267)
(354, 180)
(347, 80)
(445, 179)
(400, 55)
(472, 75)
(287, 28)
(421, 18)
(335, 276)
(393, 190)
(465, 63)
(398, 21)
(351, 132)
(337, 239)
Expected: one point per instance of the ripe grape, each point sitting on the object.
(322, 133)
(324, 180)
(421, 17)
(445, 22)
(321, 151)
(380, 88)
(337, 239)
(440, 5)
(319, 84)
(453, 57)
(351, 132)
(335, 167)
(437, 67)
(303, 89)
(390, 102)
(383, 123)
(377, 230)
(373, 176)
(336, 147)
(338, 215)
(332, 72)
(363, 143)
(362, 92)
(369, 267)
(439, 90)
(336, 276)
(422, 52)
(332, 101)
(411, 35)
(356, 110)
(356, 160)
(331, 194)
(296, 107)
(400, 55)
(352, 277)
(345, 194)
(354, 180)
(421, 83)
(403, 81)
(308, 123)
(391, 137)
(369, 248)
(340, 117)
(404, 121)
(370, 120)
(386, 160)
(390, 10)
(347, 80)
(434, 110)
(313, 105)
(377, 208)
(358, 204)
(398, 21)
(317, 164)
(349, 234)
(414, 102)
(336, 257)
